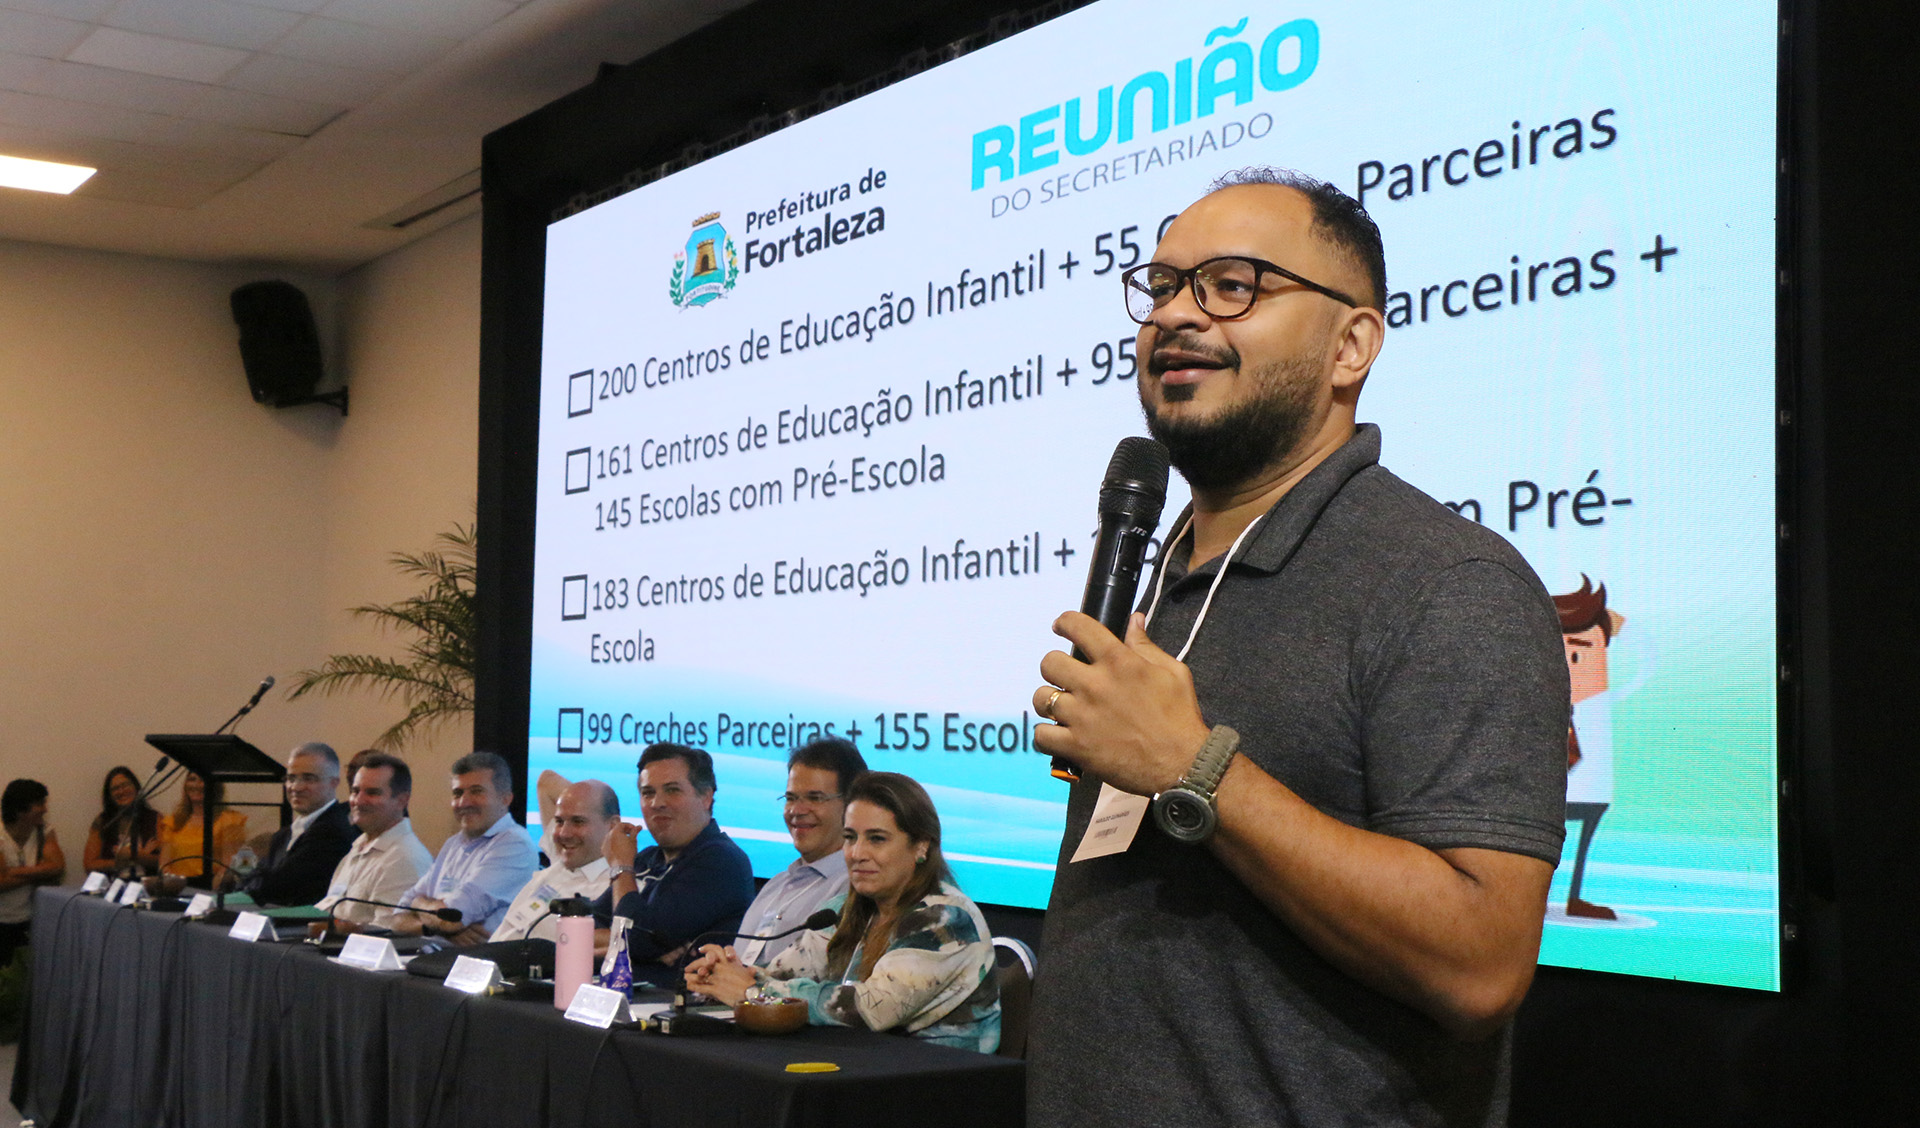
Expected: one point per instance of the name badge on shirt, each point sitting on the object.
(1116, 819)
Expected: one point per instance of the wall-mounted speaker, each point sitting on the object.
(280, 345)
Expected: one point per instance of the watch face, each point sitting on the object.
(1184, 816)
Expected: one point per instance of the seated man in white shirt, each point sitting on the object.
(387, 858)
(818, 776)
(574, 833)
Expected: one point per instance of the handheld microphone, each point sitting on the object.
(1131, 496)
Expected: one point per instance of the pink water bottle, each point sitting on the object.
(573, 949)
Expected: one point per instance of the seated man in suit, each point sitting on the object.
(479, 869)
(692, 881)
(301, 860)
(576, 829)
(387, 858)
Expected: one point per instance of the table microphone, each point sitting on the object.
(820, 919)
(1131, 496)
(451, 916)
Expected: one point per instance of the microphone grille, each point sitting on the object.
(1139, 461)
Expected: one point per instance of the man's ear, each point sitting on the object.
(1362, 334)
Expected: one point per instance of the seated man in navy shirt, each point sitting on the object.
(692, 881)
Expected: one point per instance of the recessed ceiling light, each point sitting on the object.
(42, 176)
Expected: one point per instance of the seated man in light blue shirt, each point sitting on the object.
(818, 776)
(481, 868)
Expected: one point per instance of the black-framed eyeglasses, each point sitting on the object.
(810, 798)
(1224, 288)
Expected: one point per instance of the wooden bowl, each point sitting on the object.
(164, 885)
(771, 1016)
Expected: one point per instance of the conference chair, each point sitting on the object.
(1015, 965)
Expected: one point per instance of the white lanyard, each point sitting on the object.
(1160, 581)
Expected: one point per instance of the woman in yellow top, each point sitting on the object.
(180, 844)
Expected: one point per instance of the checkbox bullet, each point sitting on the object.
(572, 730)
(579, 470)
(580, 394)
(573, 597)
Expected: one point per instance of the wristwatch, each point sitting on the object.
(1185, 811)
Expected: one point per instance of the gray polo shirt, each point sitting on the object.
(1400, 668)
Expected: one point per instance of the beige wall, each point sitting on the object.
(165, 542)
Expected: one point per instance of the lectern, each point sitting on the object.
(229, 759)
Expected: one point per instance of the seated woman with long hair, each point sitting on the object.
(180, 834)
(910, 952)
(127, 831)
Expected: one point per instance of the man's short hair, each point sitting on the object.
(486, 762)
(1338, 219)
(316, 748)
(831, 754)
(374, 758)
(699, 764)
(20, 795)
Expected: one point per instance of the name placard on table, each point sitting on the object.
(201, 905)
(95, 882)
(130, 894)
(474, 976)
(599, 1006)
(251, 926)
(373, 953)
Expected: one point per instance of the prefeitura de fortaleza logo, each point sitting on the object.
(707, 268)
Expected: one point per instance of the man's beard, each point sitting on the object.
(1239, 442)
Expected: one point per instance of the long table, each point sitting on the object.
(141, 1018)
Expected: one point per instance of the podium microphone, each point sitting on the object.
(1131, 496)
(266, 683)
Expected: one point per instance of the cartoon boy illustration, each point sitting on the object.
(1588, 627)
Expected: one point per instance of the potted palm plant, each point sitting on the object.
(435, 678)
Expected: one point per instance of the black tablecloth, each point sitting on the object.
(141, 1018)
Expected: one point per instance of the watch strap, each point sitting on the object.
(1210, 765)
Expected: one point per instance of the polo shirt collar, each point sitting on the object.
(1287, 524)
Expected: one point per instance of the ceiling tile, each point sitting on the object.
(159, 191)
(125, 156)
(71, 9)
(213, 139)
(250, 110)
(459, 19)
(302, 6)
(24, 72)
(153, 54)
(346, 44)
(45, 36)
(57, 115)
(99, 86)
(309, 81)
(216, 22)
